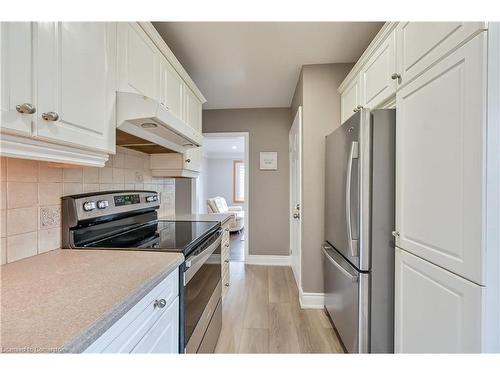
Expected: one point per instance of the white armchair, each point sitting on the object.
(218, 205)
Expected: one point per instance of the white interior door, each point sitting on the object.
(295, 149)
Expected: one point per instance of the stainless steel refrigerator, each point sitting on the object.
(358, 253)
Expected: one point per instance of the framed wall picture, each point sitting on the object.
(268, 160)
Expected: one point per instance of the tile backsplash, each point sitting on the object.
(31, 191)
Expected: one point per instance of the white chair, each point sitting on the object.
(218, 205)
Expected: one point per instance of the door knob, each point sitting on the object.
(26, 108)
(50, 116)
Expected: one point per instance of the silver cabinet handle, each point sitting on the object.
(160, 303)
(50, 116)
(395, 233)
(352, 243)
(26, 108)
(396, 76)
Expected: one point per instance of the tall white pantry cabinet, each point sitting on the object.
(447, 256)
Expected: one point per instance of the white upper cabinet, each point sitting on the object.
(350, 99)
(138, 61)
(193, 110)
(377, 80)
(420, 44)
(17, 78)
(440, 178)
(76, 68)
(436, 310)
(171, 89)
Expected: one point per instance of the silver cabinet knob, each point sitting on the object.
(395, 233)
(161, 303)
(227, 229)
(188, 160)
(226, 284)
(396, 76)
(26, 108)
(226, 261)
(50, 116)
(227, 245)
(296, 216)
(358, 108)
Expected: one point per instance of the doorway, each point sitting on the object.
(295, 150)
(225, 178)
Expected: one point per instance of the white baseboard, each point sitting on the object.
(311, 300)
(268, 260)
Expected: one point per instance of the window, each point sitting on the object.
(238, 181)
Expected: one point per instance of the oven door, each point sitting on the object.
(202, 294)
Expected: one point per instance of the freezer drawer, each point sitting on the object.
(347, 300)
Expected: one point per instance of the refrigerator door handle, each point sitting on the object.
(331, 256)
(352, 242)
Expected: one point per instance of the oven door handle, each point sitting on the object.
(194, 262)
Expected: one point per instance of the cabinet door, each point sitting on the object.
(76, 81)
(193, 110)
(350, 99)
(163, 336)
(376, 79)
(439, 162)
(138, 61)
(17, 76)
(174, 91)
(195, 157)
(420, 44)
(436, 311)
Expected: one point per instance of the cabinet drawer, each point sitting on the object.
(421, 44)
(128, 331)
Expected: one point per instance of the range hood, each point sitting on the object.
(152, 126)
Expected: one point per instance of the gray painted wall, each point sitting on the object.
(317, 92)
(268, 129)
(220, 179)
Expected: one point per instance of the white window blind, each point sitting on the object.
(238, 181)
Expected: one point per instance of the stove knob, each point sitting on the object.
(102, 204)
(89, 206)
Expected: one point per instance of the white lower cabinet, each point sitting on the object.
(163, 337)
(150, 326)
(436, 311)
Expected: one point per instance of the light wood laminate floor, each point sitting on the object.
(261, 314)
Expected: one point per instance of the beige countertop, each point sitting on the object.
(198, 217)
(63, 300)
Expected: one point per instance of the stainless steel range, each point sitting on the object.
(128, 220)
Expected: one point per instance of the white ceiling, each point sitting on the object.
(224, 147)
(256, 64)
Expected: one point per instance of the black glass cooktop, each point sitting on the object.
(160, 235)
